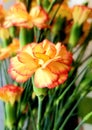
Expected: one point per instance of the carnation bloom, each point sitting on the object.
(81, 13)
(10, 93)
(65, 11)
(48, 62)
(9, 50)
(18, 16)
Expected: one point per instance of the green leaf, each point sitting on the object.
(85, 107)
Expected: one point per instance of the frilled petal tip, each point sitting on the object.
(22, 67)
(44, 78)
(10, 93)
(16, 76)
(39, 16)
(81, 13)
(18, 16)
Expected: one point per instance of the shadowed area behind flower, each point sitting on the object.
(42, 48)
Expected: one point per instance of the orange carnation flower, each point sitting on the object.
(81, 13)
(18, 16)
(9, 50)
(10, 93)
(48, 62)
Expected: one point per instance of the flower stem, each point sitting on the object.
(39, 113)
(69, 115)
(51, 5)
(23, 37)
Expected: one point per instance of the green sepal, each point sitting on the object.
(40, 92)
(75, 35)
(10, 115)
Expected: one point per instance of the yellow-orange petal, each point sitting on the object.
(29, 49)
(81, 13)
(39, 16)
(43, 57)
(9, 50)
(27, 59)
(62, 78)
(10, 93)
(18, 16)
(45, 47)
(44, 78)
(66, 56)
(22, 69)
(58, 68)
(16, 76)
(49, 48)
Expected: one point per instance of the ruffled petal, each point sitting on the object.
(16, 76)
(39, 16)
(22, 69)
(66, 56)
(58, 68)
(18, 16)
(44, 78)
(10, 93)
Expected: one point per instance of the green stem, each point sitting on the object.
(10, 116)
(12, 31)
(69, 115)
(84, 120)
(51, 20)
(23, 37)
(39, 113)
(69, 86)
(67, 105)
(32, 117)
(5, 43)
(51, 5)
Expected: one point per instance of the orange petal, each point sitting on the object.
(49, 48)
(27, 59)
(39, 16)
(29, 48)
(18, 16)
(44, 78)
(46, 47)
(41, 56)
(16, 76)
(57, 67)
(66, 56)
(22, 69)
(10, 93)
(63, 77)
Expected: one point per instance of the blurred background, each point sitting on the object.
(71, 3)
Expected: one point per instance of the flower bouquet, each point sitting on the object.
(44, 73)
